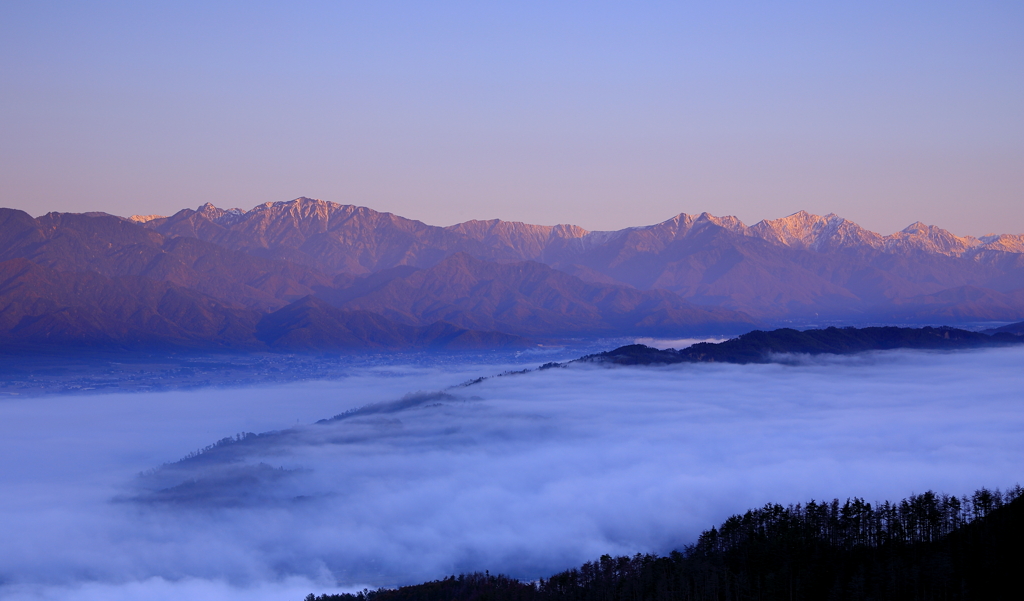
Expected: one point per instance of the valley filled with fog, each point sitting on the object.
(421, 475)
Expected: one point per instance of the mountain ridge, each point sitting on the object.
(802, 265)
(111, 263)
(764, 347)
(692, 274)
(801, 230)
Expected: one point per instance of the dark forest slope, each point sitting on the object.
(760, 347)
(927, 547)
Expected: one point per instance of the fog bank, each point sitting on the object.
(525, 474)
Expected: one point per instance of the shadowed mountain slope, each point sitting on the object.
(532, 299)
(115, 247)
(42, 308)
(963, 303)
(1013, 328)
(802, 266)
(312, 324)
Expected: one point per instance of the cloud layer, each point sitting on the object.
(525, 474)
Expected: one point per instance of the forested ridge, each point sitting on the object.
(926, 547)
(761, 346)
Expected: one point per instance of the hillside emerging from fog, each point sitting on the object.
(930, 546)
(766, 347)
(312, 275)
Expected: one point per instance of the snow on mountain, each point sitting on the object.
(802, 264)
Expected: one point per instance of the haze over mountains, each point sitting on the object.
(314, 275)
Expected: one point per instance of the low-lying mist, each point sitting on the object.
(523, 474)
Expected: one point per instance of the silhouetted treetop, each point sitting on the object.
(926, 547)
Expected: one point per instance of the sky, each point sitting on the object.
(422, 485)
(606, 115)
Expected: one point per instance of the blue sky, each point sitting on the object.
(606, 115)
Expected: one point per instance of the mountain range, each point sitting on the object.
(314, 275)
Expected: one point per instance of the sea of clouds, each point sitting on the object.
(522, 474)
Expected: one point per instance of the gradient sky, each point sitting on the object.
(606, 115)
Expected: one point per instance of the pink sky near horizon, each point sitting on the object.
(597, 114)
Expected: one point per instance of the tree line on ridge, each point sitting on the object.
(926, 547)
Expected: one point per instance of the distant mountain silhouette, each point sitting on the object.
(330, 237)
(1013, 328)
(310, 324)
(802, 266)
(114, 247)
(117, 271)
(530, 299)
(40, 306)
(44, 308)
(763, 347)
(230, 269)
